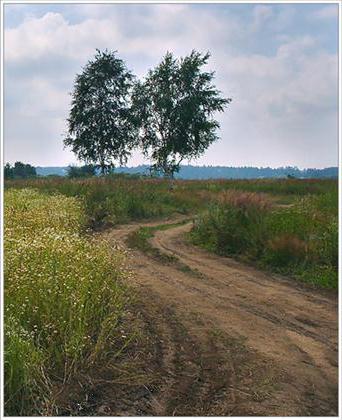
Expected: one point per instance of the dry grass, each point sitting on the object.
(245, 200)
(288, 248)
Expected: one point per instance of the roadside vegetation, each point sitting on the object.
(64, 296)
(300, 239)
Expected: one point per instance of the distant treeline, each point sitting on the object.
(212, 172)
(19, 170)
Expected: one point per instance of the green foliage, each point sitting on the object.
(8, 171)
(100, 128)
(174, 107)
(63, 297)
(300, 240)
(245, 230)
(19, 170)
(25, 386)
(82, 171)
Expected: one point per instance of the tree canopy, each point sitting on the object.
(175, 107)
(100, 128)
(19, 170)
(82, 171)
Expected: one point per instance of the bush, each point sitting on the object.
(233, 225)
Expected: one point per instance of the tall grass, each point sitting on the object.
(63, 297)
(119, 199)
(300, 240)
(111, 200)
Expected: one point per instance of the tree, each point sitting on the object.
(82, 171)
(19, 170)
(8, 171)
(100, 128)
(175, 106)
(22, 170)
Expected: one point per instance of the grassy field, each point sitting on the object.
(65, 292)
(119, 199)
(64, 296)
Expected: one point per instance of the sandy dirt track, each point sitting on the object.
(230, 339)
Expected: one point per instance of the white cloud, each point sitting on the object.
(280, 100)
(38, 38)
(294, 49)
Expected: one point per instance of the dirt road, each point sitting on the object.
(229, 339)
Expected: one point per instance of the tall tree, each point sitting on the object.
(100, 128)
(175, 106)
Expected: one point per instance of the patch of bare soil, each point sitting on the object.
(233, 341)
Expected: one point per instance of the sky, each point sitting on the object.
(278, 63)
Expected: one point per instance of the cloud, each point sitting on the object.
(52, 35)
(326, 13)
(284, 94)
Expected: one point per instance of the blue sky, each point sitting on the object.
(278, 62)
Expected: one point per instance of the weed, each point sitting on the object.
(63, 296)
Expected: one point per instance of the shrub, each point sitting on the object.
(300, 240)
(234, 225)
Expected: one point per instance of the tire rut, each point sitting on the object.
(234, 340)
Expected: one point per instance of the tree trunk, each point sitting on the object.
(103, 167)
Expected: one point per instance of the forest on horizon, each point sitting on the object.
(212, 172)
